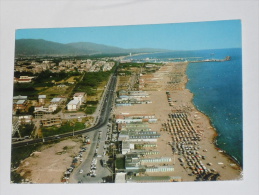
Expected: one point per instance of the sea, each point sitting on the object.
(217, 89)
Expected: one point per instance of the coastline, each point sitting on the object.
(214, 137)
(214, 140)
(182, 101)
(214, 126)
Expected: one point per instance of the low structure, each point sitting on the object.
(19, 97)
(136, 118)
(42, 99)
(23, 79)
(73, 105)
(150, 136)
(152, 179)
(120, 178)
(26, 119)
(51, 121)
(57, 101)
(20, 105)
(80, 96)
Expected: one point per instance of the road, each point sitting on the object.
(96, 153)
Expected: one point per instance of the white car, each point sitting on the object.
(81, 171)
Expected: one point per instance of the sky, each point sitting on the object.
(175, 36)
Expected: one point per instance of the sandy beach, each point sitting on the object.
(173, 80)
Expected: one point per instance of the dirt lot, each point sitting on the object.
(49, 163)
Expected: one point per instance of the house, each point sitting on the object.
(24, 79)
(57, 101)
(80, 96)
(20, 105)
(73, 105)
(19, 97)
(42, 99)
(26, 119)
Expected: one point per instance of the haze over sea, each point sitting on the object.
(217, 89)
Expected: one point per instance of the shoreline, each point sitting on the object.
(182, 102)
(214, 138)
(211, 124)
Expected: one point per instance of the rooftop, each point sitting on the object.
(73, 102)
(55, 100)
(42, 96)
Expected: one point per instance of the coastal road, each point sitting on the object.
(97, 153)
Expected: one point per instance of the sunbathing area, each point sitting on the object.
(186, 136)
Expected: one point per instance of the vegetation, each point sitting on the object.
(130, 64)
(90, 109)
(24, 89)
(65, 128)
(26, 129)
(21, 153)
(120, 163)
(91, 81)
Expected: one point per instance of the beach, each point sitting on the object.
(171, 78)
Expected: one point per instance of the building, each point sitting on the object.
(24, 79)
(73, 105)
(120, 178)
(57, 101)
(132, 163)
(26, 119)
(80, 96)
(156, 160)
(136, 118)
(51, 122)
(42, 99)
(40, 111)
(20, 105)
(52, 107)
(160, 169)
(134, 136)
(152, 179)
(19, 97)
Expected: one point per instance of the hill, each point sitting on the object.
(40, 47)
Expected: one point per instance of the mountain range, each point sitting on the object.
(40, 47)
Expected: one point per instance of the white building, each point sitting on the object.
(25, 119)
(56, 101)
(73, 105)
(80, 96)
(53, 107)
(126, 147)
(120, 178)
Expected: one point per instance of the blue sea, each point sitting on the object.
(217, 89)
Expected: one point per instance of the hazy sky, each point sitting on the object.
(177, 36)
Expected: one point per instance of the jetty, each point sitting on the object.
(228, 58)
